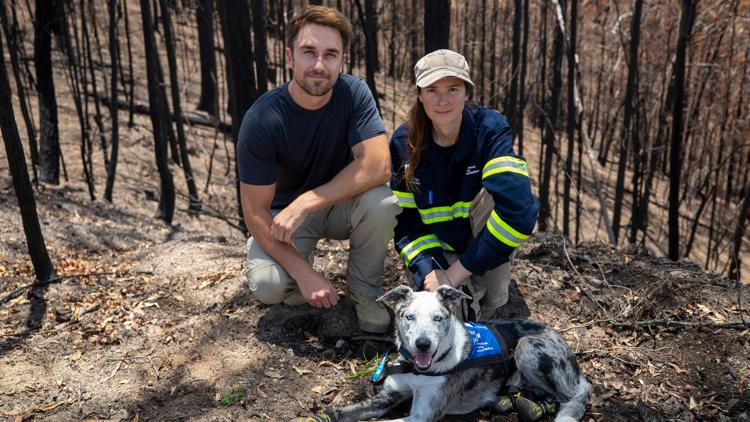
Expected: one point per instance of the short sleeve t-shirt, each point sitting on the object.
(299, 149)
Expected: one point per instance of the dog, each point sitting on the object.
(433, 372)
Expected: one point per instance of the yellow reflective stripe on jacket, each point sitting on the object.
(503, 232)
(447, 213)
(406, 199)
(420, 244)
(505, 164)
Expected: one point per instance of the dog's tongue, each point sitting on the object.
(422, 360)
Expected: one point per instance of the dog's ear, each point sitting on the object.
(396, 296)
(449, 296)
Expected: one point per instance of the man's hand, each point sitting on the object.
(435, 279)
(318, 291)
(291, 218)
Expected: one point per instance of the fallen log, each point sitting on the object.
(190, 117)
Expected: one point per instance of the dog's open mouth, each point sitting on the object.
(423, 360)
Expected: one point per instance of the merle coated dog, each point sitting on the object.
(434, 346)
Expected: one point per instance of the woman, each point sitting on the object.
(466, 196)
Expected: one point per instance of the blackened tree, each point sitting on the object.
(112, 165)
(21, 91)
(204, 15)
(675, 152)
(550, 125)
(21, 184)
(159, 120)
(49, 142)
(437, 24)
(630, 92)
(176, 105)
(235, 28)
(369, 21)
(261, 51)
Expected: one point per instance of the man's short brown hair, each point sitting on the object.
(324, 16)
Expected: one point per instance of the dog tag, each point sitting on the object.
(378, 374)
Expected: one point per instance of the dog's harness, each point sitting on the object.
(489, 346)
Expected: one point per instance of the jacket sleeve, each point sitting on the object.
(420, 249)
(505, 176)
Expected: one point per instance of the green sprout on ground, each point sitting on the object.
(233, 396)
(370, 366)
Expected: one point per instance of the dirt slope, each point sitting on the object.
(170, 332)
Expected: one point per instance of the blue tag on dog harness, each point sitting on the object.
(378, 374)
(483, 341)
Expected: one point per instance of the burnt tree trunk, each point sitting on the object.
(40, 260)
(437, 24)
(131, 109)
(675, 153)
(522, 91)
(235, 26)
(511, 106)
(630, 93)
(49, 142)
(195, 204)
(551, 125)
(158, 123)
(259, 42)
(542, 92)
(204, 15)
(571, 117)
(115, 140)
(88, 53)
(494, 97)
(413, 42)
(77, 80)
(21, 92)
(368, 21)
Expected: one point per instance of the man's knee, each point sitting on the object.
(380, 206)
(268, 283)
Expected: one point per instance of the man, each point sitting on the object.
(313, 161)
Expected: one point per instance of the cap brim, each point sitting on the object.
(435, 76)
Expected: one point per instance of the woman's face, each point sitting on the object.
(444, 100)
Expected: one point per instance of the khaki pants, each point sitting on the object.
(367, 220)
(490, 291)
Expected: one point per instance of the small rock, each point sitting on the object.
(121, 415)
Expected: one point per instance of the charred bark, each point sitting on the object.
(166, 13)
(204, 15)
(437, 25)
(40, 259)
(115, 140)
(49, 142)
(155, 99)
(675, 153)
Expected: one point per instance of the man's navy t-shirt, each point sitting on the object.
(298, 149)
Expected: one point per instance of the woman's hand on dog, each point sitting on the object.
(318, 291)
(436, 279)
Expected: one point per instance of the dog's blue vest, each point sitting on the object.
(489, 346)
(483, 341)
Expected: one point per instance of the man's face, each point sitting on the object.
(316, 58)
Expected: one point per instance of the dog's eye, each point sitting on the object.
(409, 317)
(437, 318)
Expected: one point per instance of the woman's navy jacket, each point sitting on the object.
(435, 215)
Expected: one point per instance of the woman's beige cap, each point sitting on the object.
(441, 64)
